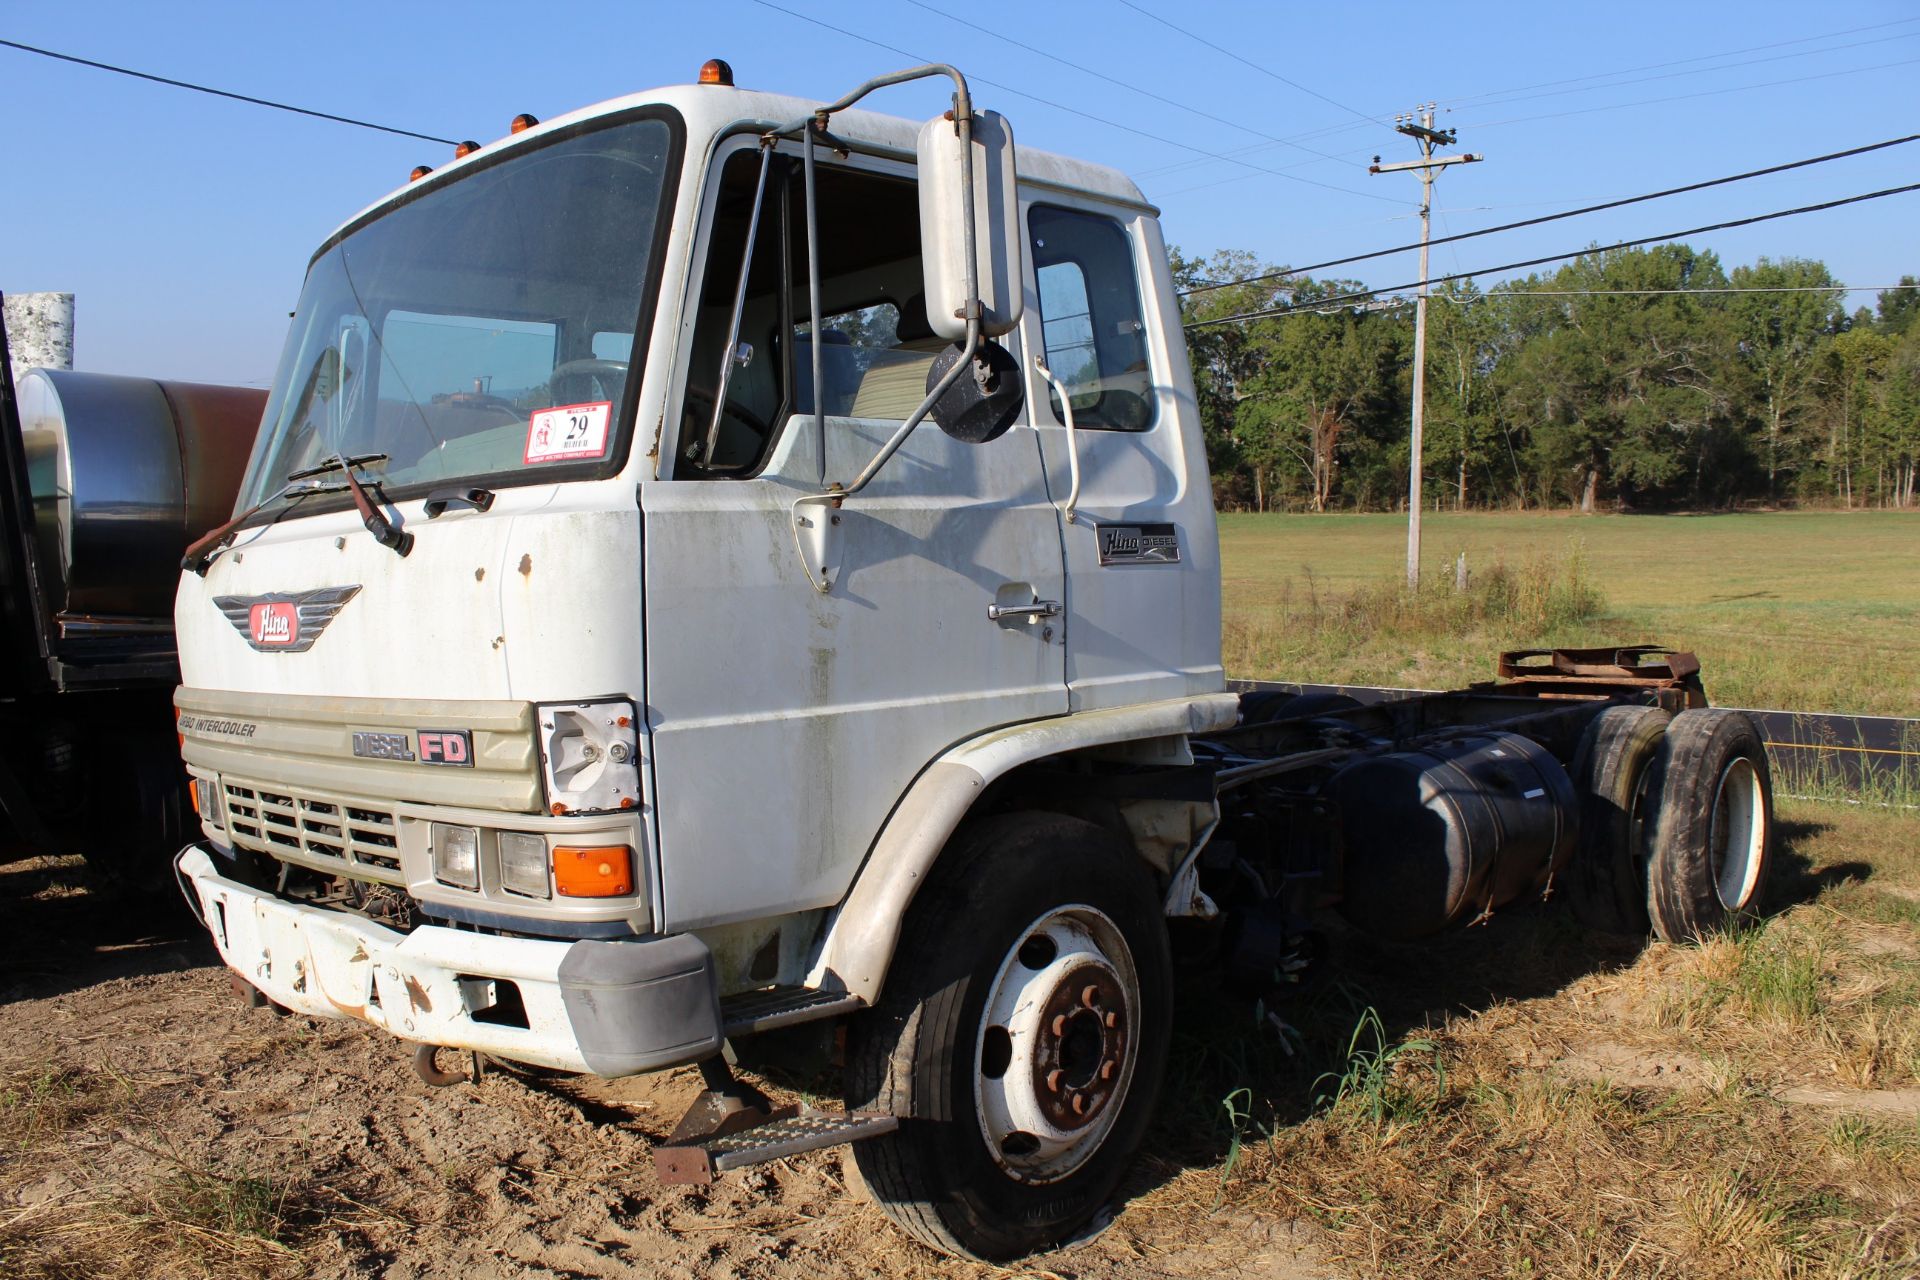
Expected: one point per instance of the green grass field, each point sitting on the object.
(1805, 612)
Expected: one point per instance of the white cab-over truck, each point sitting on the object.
(714, 562)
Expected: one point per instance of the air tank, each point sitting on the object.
(124, 472)
(1435, 837)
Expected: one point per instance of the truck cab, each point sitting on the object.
(560, 696)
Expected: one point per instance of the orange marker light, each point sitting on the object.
(465, 149)
(597, 872)
(523, 122)
(419, 171)
(716, 71)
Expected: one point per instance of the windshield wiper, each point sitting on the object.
(336, 463)
(200, 556)
(384, 531)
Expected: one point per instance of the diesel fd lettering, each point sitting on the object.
(451, 746)
(382, 746)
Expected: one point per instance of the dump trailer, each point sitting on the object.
(716, 562)
(104, 480)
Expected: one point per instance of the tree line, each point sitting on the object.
(1561, 389)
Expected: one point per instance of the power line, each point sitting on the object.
(1504, 94)
(1115, 80)
(1688, 97)
(1266, 312)
(1680, 62)
(1556, 115)
(1672, 75)
(1750, 288)
(1291, 84)
(223, 93)
(1060, 106)
(1568, 213)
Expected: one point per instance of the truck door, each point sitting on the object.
(1142, 553)
(787, 721)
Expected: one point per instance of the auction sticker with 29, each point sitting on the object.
(569, 431)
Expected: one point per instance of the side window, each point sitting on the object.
(875, 343)
(1090, 318)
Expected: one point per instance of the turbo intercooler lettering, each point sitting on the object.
(206, 724)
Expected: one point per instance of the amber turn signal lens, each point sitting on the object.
(465, 149)
(523, 122)
(419, 171)
(716, 71)
(598, 872)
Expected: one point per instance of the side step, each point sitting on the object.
(787, 1131)
(753, 1011)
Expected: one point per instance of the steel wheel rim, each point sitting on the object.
(1738, 836)
(1057, 1044)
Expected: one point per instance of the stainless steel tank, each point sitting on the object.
(124, 473)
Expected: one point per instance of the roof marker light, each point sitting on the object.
(716, 71)
(465, 149)
(523, 122)
(419, 171)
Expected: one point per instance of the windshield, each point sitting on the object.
(482, 330)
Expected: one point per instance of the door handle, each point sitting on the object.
(1038, 609)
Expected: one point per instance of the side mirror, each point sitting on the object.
(983, 401)
(998, 244)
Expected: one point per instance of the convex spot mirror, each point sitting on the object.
(984, 400)
(999, 250)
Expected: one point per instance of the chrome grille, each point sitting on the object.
(330, 833)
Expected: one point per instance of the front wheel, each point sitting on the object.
(1021, 1038)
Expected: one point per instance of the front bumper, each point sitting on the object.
(608, 1008)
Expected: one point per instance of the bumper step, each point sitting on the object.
(782, 1006)
(786, 1132)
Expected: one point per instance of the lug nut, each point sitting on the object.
(1113, 1019)
(1090, 996)
(1053, 1080)
(1079, 1104)
(1059, 1024)
(1106, 1071)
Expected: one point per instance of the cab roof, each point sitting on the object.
(712, 111)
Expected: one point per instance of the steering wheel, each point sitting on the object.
(591, 367)
(697, 415)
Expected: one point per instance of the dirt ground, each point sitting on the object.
(154, 1125)
(1533, 1099)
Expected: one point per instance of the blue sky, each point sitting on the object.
(184, 222)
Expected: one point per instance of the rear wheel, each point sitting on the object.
(1710, 839)
(1020, 1038)
(1607, 882)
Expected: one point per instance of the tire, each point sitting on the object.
(1710, 837)
(1037, 950)
(1607, 882)
(1263, 705)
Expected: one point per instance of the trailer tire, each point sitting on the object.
(1607, 882)
(1017, 1118)
(1709, 837)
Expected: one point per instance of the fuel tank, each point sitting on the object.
(124, 472)
(1435, 837)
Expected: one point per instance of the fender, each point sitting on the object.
(863, 932)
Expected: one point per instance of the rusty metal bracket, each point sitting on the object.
(1672, 676)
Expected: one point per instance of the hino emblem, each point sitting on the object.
(284, 621)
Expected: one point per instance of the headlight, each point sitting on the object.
(456, 855)
(523, 864)
(206, 800)
(590, 755)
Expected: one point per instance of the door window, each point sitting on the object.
(875, 343)
(1090, 318)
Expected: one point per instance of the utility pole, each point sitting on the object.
(1427, 165)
